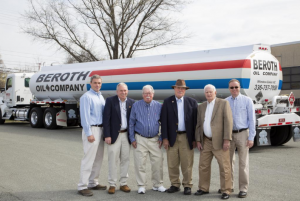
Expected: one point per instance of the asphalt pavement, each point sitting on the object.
(40, 165)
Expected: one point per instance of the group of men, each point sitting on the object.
(216, 127)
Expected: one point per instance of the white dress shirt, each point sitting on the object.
(123, 110)
(207, 119)
(180, 109)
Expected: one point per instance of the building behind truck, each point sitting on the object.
(50, 97)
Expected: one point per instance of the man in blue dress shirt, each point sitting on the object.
(143, 134)
(242, 135)
(91, 112)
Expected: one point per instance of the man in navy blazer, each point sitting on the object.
(115, 124)
(178, 123)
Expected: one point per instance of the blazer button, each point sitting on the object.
(176, 123)
(176, 131)
(120, 124)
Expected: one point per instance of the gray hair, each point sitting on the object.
(96, 77)
(210, 85)
(148, 87)
(123, 84)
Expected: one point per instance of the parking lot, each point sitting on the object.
(40, 164)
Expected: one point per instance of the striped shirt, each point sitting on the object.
(91, 110)
(144, 119)
(243, 114)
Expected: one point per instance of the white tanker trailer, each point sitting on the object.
(50, 98)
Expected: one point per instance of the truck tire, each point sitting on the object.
(290, 134)
(1, 120)
(36, 117)
(49, 118)
(279, 135)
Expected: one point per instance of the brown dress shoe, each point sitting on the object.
(111, 190)
(85, 192)
(98, 187)
(125, 189)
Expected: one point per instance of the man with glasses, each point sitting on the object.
(242, 135)
(145, 139)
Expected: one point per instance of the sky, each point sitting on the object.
(213, 24)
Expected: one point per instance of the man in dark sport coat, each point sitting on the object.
(115, 124)
(178, 122)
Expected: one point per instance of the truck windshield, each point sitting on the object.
(26, 82)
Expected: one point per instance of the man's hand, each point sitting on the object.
(159, 143)
(108, 140)
(194, 144)
(250, 143)
(134, 144)
(91, 138)
(166, 143)
(199, 146)
(226, 145)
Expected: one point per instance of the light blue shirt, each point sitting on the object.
(91, 110)
(144, 119)
(243, 114)
(180, 109)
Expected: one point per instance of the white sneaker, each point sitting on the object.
(141, 190)
(160, 189)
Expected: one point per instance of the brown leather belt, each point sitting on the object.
(123, 131)
(100, 125)
(209, 138)
(240, 130)
(181, 132)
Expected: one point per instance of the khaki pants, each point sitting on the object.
(92, 159)
(120, 150)
(223, 158)
(239, 141)
(145, 147)
(180, 154)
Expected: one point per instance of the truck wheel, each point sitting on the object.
(289, 134)
(1, 120)
(279, 135)
(50, 118)
(36, 117)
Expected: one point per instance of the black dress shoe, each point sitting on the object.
(225, 196)
(173, 189)
(201, 192)
(242, 194)
(219, 191)
(187, 191)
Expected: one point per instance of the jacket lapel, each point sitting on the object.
(174, 105)
(204, 105)
(215, 108)
(117, 106)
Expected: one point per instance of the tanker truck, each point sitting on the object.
(50, 97)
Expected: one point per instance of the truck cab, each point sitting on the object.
(17, 91)
(15, 95)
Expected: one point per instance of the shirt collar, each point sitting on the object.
(212, 102)
(177, 99)
(236, 98)
(146, 104)
(94, 92)
(122, 101)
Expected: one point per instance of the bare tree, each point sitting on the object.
(117, 28)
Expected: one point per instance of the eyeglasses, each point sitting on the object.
(147, 93)
(234, 87)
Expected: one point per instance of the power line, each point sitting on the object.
(3, 50)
